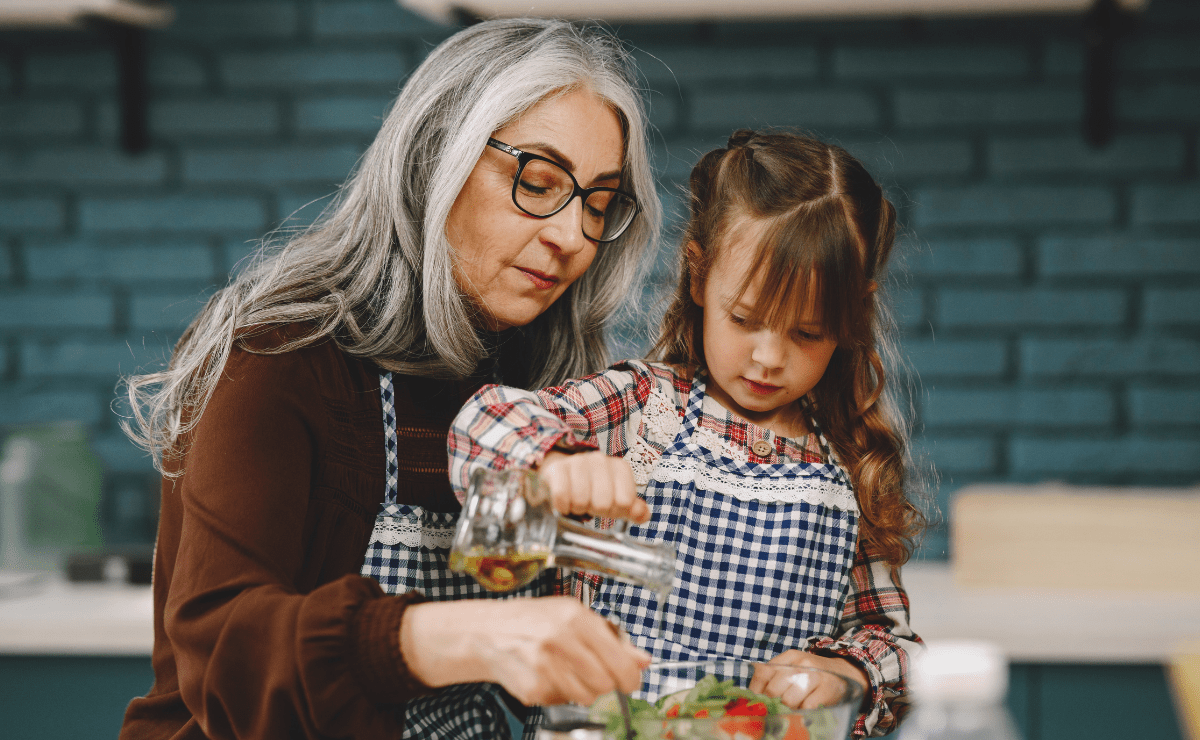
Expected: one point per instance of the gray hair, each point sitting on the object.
(375, 273)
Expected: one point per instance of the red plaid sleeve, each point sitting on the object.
(874, 632)
(503, 427)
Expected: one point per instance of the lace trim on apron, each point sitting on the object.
(709, 439)
(661, 423)
(407, 525)
(783, 489)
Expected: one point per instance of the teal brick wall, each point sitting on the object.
(1048, 293)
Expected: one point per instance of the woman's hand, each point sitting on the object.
(824, 692)
(593, 483)
(543, 651)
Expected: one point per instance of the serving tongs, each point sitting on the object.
(623, 701)
(622, 697)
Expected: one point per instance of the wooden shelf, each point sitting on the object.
(698, 10)
(77, 13)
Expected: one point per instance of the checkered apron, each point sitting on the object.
(409, 551)
(753, 578)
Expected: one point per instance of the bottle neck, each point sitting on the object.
(579, 547)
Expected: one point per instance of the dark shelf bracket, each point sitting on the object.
(130, 47)
(1101, 27)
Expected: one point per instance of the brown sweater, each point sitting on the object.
(263, 627)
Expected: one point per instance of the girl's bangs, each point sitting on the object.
(808, 265)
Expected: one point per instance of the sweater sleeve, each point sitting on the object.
(874, 632)
(501, 427)
(257, 655)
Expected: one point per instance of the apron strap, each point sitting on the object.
(691, 412)
(387, 394)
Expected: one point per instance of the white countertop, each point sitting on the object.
(52, 617)
(45, 615)
(1053, 625)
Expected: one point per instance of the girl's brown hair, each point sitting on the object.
(827, 233)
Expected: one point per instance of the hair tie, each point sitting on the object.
(740, 138)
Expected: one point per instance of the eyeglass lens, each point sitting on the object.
(543, 187)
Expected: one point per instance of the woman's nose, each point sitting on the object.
(565, 228)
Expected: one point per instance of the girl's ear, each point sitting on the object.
(695, 283)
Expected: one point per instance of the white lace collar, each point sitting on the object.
(661, 423)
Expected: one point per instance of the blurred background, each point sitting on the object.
(1047, 284)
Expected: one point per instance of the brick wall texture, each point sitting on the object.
(1048, 293)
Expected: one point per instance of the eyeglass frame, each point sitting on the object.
(524, 157)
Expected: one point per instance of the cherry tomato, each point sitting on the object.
(742, 728)
(741, 707)
(796, 729)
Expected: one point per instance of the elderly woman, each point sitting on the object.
(496, 223)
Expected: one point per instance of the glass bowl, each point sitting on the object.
(732, 717)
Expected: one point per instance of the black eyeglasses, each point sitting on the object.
(543, 187)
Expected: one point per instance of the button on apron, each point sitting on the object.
(762, 447)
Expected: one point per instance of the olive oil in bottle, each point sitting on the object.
(508, 531)
(499, 572)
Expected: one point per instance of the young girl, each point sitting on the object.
(761, 440)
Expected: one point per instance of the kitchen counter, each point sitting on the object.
(1053, 626)
(52, 617)
(43, 614)
(1080, 660)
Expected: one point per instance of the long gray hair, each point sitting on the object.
(375, 272)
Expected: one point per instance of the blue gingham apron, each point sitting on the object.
(753, 578)
(409, 551)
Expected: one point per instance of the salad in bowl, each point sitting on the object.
(713, 700)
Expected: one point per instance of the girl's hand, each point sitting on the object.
(593, 483)
(543, 651)
(824, 692)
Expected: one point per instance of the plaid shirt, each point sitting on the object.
(504, 427)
